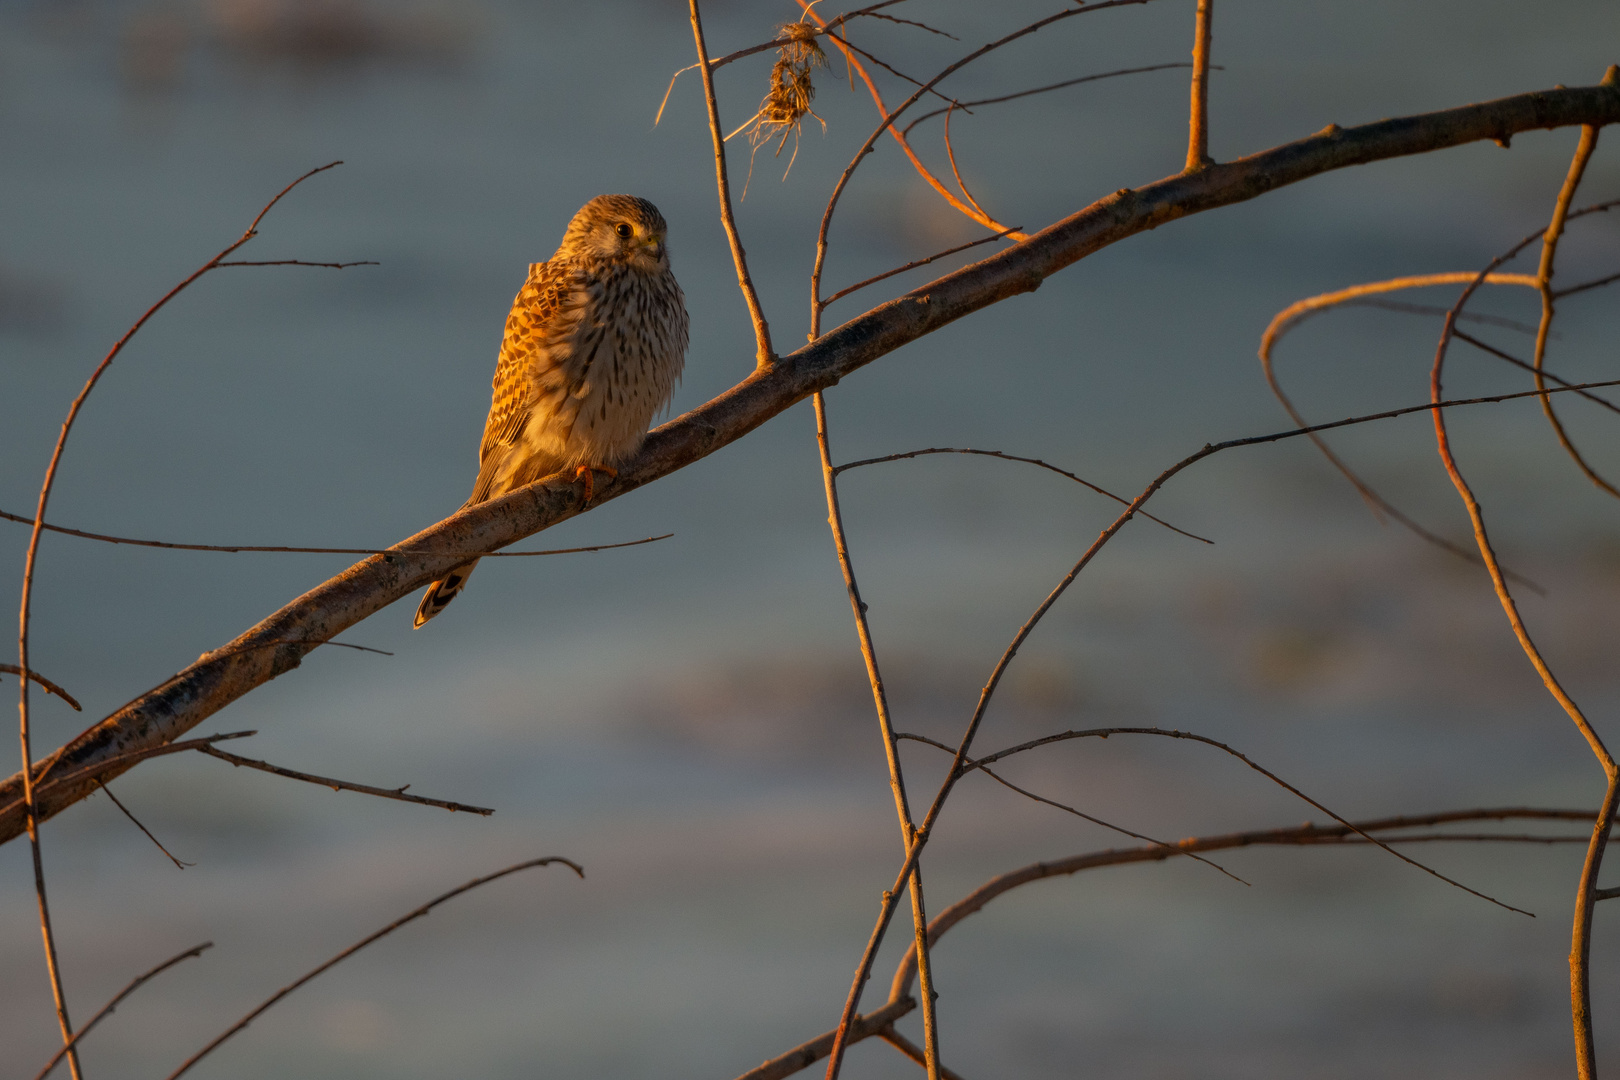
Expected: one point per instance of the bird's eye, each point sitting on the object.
(624, 230)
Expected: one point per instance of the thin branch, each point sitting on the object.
(1586, 895)
(1559, 294)
(218, 678)
(1027, 461)
(840, 294)
(764, 355)
(1004, 782)
(1516, 362)
(300, 262)
(899, 136)
(104, 538)
(1544, 274)
(107, 791)
(950, 154)
(880, 699)
(1436, 310)
(92, 775)
(1198, 123)
(807, 1054)
(107, 1009)
(968, 106)
(362, 943)
(1297, 312)
(959, 765)
(913, 1051)
(1103, 733)
(48, 686)
(1606, 894)
(341, 785)
(1307, 834)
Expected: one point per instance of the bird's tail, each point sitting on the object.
(441, 592)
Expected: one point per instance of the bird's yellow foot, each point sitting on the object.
(583, 475)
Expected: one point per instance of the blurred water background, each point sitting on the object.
(689, 719)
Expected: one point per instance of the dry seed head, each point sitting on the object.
(787, 102)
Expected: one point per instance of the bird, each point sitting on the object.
(593, 348)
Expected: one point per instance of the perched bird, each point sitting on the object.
(594, 344)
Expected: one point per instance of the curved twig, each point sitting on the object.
(1313, 835)
(1544, 274)
(107, 1009)
(1027, 461)
(1586, 895)
(362, 943)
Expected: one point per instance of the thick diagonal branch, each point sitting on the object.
(220, 677)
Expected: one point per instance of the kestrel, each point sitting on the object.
(594, 344)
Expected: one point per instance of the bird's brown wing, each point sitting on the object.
(537, 319)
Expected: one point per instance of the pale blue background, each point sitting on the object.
(688, 719)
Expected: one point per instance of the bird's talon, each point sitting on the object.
(583, 475)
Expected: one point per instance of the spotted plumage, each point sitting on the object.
(593, 347)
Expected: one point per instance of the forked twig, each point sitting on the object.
(1544, 274)
(960, 765)
(107, 1009)
(841, 293)
(362, 943)
(1586, 894)
(969, 106)
(25, 610)
(1306, 835)
(48, 686)
(340, 785)
(880, 698)
(1027, 461)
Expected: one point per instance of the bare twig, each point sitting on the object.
(897, 783)
(933, 181)
(1308, 834)
(218, 678)
(1027, 461)
(1103, 733)
(1516, 362)
(107, 1009)
(960, 764)
(104, 538)
(1198, 123)
(807, 1054)
(340, 785)
(1004, 782)
(969, 106)
(841, 293)
(48, 686)
(913, 1051)
(299, 262)
(107, 791)
(1580, 988)
(30, 810)
(1544, 274)
(763, 353)
(362, 943)
(1559, 294)
(92, 775)
(1293, 314)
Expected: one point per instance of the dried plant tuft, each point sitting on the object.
(787, 102)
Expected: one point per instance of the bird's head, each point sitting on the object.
(618, 228)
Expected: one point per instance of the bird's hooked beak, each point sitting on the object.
(654, 246)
